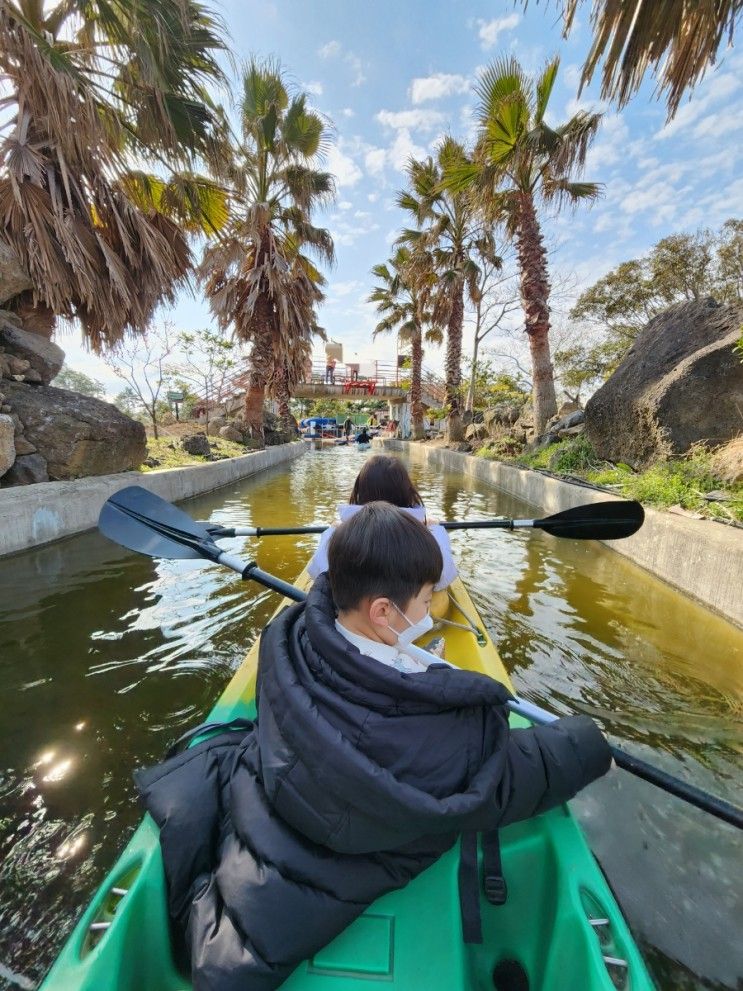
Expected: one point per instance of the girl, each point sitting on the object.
(385, 478)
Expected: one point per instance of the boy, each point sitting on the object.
(362, 769)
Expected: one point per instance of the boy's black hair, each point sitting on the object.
(381, 551)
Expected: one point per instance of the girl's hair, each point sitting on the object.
(384, 479)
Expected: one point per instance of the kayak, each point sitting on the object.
(560, 921)
(361, 446)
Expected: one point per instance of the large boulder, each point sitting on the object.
(7, 443)
(228, 432)
(681, 383)
(27, 470)
(76, 435)
(43, 356)
(196, 444)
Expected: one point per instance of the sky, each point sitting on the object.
(395, 76)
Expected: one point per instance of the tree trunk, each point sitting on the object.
(470, 404)
(283, 395)
(153, 417)
(416, 406)
(454, 426)
(261, 362)
(535, 288)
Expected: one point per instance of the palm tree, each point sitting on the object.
(450, 227)
(93, 87)
(678, 40)
(257, 278)
(519, 160)
(401, 298)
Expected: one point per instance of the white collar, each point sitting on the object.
(382, 652)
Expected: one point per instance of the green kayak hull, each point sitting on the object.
(560, 921)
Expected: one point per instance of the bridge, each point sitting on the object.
(353, 382)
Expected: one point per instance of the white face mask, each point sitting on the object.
(414, 630)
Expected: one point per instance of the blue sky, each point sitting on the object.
(394, 77)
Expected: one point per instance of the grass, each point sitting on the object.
(679, 481)
(170, 454)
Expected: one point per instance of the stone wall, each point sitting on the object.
(39, 514)
(700, 558)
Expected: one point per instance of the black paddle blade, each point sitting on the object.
(597, 521)
(143, 522)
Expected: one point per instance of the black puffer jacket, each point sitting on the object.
(354, 779)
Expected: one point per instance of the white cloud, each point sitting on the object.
(334, 49)
(693, 112)
(330, 49)
(424, 120)
(342, 166)
(347, 112)
(439, 85)
(489, 30)
(574, 106)
(571, 75)
(611, 145)
(402, 149)
(345, 288)
(315, 88)
(374, 160)
(345, 205)
(372, 197)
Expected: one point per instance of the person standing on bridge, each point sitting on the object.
(330, 371)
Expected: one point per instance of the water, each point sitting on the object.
(105, 657)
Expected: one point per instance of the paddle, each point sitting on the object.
(143, 522)
(594, 521)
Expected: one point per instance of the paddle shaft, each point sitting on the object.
(700, 799)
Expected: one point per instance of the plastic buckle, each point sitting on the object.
(496, 890)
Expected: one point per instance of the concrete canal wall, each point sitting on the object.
(38, 514)
(700, 558)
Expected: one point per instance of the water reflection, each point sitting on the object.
(106, 656)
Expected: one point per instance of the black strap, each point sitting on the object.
(494, 883)
(469, 889)
(233, 724)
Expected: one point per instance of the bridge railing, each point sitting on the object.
(382, 373)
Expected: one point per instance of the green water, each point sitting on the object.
(106, 656)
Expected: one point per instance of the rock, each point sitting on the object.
(7, 443)
(76, 435)
(717, 495)
(727, 462)
(502, 415)
(17, 366)
(43, 356)
(152, 462)
(27, 470)
(23, 446)
(14, 279)
(571, 431)
(216, 425)
(476, 431)
(557, 423)
(544, 441)
(196, 444)
(459, 445)
(680, 384)
(229, 432)
(567, 408)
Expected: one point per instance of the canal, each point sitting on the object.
(105, 657)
